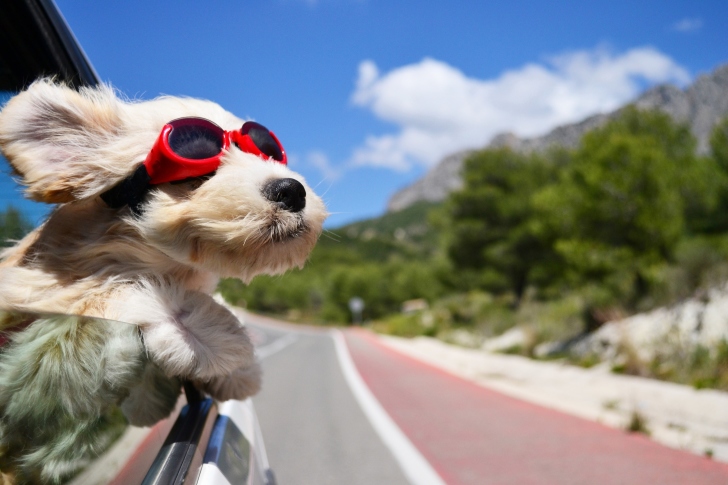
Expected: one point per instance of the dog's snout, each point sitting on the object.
(288, 193)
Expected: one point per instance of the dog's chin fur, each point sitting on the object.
(154, 270)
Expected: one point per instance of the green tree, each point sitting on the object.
(492, 230)
(620, 206)
(383, 287)
(719, 144)
(715, 219)
(13, 226)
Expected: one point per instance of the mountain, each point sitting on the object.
(700, 105)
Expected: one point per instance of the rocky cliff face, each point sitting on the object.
(434, 185)
(700, 105)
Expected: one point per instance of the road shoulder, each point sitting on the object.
(677, 416)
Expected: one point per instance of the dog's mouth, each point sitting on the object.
(284, 230)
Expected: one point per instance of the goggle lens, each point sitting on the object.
(196, 139)
(263, 139)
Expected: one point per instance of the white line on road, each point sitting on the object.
(276, 346)
(415, 467)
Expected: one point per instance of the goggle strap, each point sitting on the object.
(130, 191)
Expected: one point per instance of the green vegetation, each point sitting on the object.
(555, 243)
(495, 237)
(622, 206)
(13, 226)
(678, 361)
(612, 221)
(637, 424)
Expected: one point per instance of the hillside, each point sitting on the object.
(700, 105)
(405, 234)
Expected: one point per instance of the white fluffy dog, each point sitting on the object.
(153, 265)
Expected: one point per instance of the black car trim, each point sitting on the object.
(36, 41)
(176, 458)
(84, 70)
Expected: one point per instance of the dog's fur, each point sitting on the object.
(59, 375)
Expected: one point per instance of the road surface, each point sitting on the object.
(316, 431)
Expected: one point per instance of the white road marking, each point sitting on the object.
(276, 346)
(415, 467)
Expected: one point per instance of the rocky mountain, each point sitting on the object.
(700, 105)
(433, 186)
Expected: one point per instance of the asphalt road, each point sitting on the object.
(316, 433)
(314, 430)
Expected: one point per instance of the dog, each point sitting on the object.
(125, 244)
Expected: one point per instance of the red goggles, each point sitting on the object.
(192, 147)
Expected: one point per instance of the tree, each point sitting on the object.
(719, 144)
(492, 229)
(13, 226)
(715, 219)
(619, 207)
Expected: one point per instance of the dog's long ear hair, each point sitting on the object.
(65, 144)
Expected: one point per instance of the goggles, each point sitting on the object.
(191, 147)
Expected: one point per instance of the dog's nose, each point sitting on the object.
(289, 194)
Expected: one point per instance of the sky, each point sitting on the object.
(367, 95)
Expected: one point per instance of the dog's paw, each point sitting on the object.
(240, 384)
(187, 333)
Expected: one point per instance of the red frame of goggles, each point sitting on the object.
(163, 164)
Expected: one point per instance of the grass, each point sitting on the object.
(586, 361)
(611, 404)
(400, 325)
(638, 424)
(698, 366)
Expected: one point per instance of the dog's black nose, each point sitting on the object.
(289, 194)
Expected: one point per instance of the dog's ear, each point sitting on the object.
(61, 141)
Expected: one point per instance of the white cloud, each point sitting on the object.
(688, 25)
(440, 110)
(321, 162)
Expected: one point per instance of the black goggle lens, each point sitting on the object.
(263, 140)
(196, 141)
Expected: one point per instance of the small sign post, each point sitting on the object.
(356, 305)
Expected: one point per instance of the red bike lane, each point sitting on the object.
(473, 435)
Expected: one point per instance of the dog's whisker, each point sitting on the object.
(332, 235)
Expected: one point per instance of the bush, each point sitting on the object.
(412, 325)
(550, 321)
(700, 263)
(481, 312)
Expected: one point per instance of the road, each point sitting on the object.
(314, 430)
(317, 432)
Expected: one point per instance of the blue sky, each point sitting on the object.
(366, 95)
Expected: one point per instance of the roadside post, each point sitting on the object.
(356, 306)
